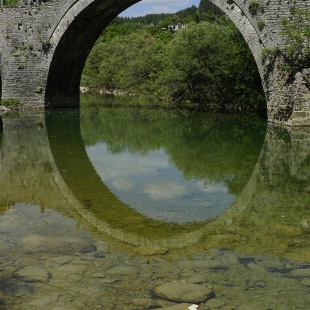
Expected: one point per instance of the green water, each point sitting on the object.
(101, 205)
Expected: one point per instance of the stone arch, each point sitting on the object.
(0, 86)
(78, 29)
(0, 78)
(71, 41)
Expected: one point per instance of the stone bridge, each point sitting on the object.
(44, 46)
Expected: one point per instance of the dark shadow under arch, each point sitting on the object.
(71, 52)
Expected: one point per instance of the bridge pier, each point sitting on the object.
(43, 49)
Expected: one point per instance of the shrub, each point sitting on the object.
(261, 25)
(13, 102)
(254, 7)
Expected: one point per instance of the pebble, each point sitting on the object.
(211, 264)
(65, 246)
(300, 273)
(122, 270)
(98, 274)
(182, 306)
(62, 260)
(32, 274)
(144, 303)
(305, 281)
(256, 268)
(72, 269)
(197, 279)
(214, 303)
(272, 264)
(43, 301)
(183, 292)
(111, 278)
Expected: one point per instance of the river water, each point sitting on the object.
(99, 206)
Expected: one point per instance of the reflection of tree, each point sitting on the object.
(213, 148)
(288, 160)
(276, 216)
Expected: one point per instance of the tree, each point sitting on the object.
(211, 65)
(205, 6)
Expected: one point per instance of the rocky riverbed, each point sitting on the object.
(48, 262)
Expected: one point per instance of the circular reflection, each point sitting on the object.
(167, 166)
(154, 187)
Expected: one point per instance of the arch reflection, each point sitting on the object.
(169, 166)
(44, 162)
(102, 205)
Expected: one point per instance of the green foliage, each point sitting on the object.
(270, 53)
(205, 65)
(254, 7)
(261, 25)
(11, 115)
(117, 29)
(206, 6)
(296, 31)
(46, 44)
(12, 3)
(10, 102)
(127, 63)
(215, 68)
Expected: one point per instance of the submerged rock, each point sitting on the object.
(300, 273)
(144, 303)
(32, 274)
(65, 246)
(183, 292)
(122, 270)
(178, 307)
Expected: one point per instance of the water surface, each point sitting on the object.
(99, 206)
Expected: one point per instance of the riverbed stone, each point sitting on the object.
(305, 281)
(65, 246)
(183, 292)
(300, 273)
(43, 301)
(251, 307)
(32, 274)
(182, 306)
(72, 269)
(98, 274)
(144, 303)
(197, 279)
(272, 264)
(230, 259)
(62, 260)
(122, 270)
(215, 303)
(201, 263)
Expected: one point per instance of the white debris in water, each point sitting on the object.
(193, 307)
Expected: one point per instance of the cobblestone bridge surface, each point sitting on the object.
(44, 46)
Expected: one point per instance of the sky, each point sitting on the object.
(152, 185)
(158, 6)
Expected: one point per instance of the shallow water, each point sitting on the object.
(106, 203)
